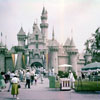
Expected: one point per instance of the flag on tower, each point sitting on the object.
(13, 59)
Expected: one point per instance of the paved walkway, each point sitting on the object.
(43, 92)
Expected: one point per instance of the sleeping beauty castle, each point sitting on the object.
(35, 49)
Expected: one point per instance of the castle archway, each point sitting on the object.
(36, 64)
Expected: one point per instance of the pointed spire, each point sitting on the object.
(1, 43)
(71, 33)
(34, 25)
(5, 40)
(67, 43)
(21, 32)
(53, 34)
(35, 22)
(44, 10)
(21, 28)
(72, 43)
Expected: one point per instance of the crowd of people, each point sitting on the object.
(29, 76)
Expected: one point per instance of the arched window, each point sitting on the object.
(36, 56)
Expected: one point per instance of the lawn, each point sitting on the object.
(87, 86)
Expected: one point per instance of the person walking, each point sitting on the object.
(32, 76)
(15, 90)
(11, 76)
(35, 78)
(2, 82)
(21, 75)
(28, 78)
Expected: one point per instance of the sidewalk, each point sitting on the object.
(43, 92)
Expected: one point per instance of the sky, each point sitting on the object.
(70, 18)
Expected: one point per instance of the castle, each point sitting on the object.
(35, 49)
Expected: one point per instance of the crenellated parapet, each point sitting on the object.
(19, 49)
(53, 49)
(44, 16)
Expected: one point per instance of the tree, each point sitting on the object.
(94, 43)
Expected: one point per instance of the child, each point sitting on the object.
(35, 78)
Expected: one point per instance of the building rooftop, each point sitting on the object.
(21, 32)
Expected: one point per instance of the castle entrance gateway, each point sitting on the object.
(37, 64)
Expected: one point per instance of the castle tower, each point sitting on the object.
(53, 52)
(21, 36)
(72, 53)
(66, 47)
(44, 25)
(2, 57)
(19, 62)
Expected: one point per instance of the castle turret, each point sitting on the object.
(53, 53)
(44, 25)
(72, 53)
(2, 57)
(21, 36)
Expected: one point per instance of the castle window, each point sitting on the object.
(36, 56)
(36, 36)
(37, 45)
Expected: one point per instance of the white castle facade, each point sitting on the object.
(48, 53)
(41, 51)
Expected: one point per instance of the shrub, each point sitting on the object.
(75, 76)
(62, 74)
(87, 86)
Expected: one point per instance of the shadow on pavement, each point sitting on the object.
(87, 92)
(8, 99)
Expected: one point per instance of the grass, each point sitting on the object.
(87, 86)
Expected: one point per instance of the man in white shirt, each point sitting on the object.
(32, 76)
(28, 78)
(72, 79)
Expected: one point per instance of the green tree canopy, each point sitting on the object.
(93, 45)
